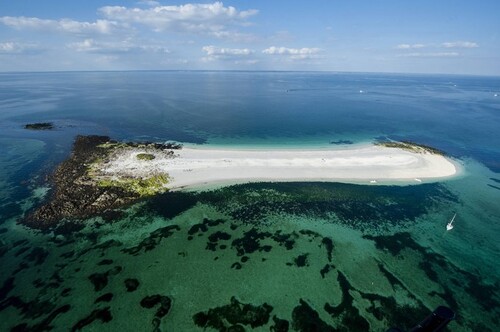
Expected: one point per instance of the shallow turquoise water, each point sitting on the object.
(346, 256)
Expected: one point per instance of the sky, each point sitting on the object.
(397, 36)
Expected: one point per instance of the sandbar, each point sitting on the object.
(193, 167)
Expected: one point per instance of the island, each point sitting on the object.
(103, 175)
(39, 126)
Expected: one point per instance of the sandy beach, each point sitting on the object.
(192, 167)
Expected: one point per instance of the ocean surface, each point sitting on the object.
(259, 256)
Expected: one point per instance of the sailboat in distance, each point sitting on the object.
(449, 226)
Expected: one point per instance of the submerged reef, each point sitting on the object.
(80, 190)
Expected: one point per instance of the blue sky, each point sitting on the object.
(439, 36)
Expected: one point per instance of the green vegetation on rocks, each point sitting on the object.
(145, 156)
(410, 146)
(153, 185)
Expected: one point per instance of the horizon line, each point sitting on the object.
(241, 71)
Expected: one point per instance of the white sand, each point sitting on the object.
(193, 167)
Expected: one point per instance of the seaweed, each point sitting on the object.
(154, 238)
(345, 311)
(131, 284)
(360, 207)
(250, 242)
(164, 302)
(306, 319)
(104, 315)
(236, 313)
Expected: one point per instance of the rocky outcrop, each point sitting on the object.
(75, 195)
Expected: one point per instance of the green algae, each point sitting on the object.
(143, 187)
(145, 156)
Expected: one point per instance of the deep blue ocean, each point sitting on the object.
(262, 256)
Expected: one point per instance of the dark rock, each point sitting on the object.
(76, 198)
(170, 204)
(211, 246)
(324, 271)
(236, 266)
(3, 250)
(21, 251)
(236, 328)
(150, 301)
(115, 270)
(7, 286)
(153, 239)
(218, 236)
(250, 242)
(44, 325)
(19, 243)
(108, 244)
(346, 312)
(112, 215)
(104, 298)
(65, 292)
(306, 319)
(286, 240)
(203, 227)
(233, 316)
(39, 126)
(37, 255)
(394, 243)
(20, 267)
(55, 280)
(310, 233)
(38, 283)
(23, 327)
(266, 248)
(280, 325)
(341, 142)
(67, 254)
(300, 261)
(328, 243)
(105, 262)
(131, 284)
(104, 315)
(165, 303)
(99, 280)
(215, 238)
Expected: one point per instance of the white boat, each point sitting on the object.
(449, 226)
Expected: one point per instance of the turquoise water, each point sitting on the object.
(296, 255)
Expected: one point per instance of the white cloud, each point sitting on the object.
(460, 44)
(212, 19)
(18, 48)
(293, 53)
(218, 53)
(149, 3)
(430, 55)
(409, 46)
(63, 25)
(212, 50)
(93, 46)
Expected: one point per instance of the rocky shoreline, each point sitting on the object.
(76, 194)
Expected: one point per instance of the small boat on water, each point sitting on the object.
(449, 226)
